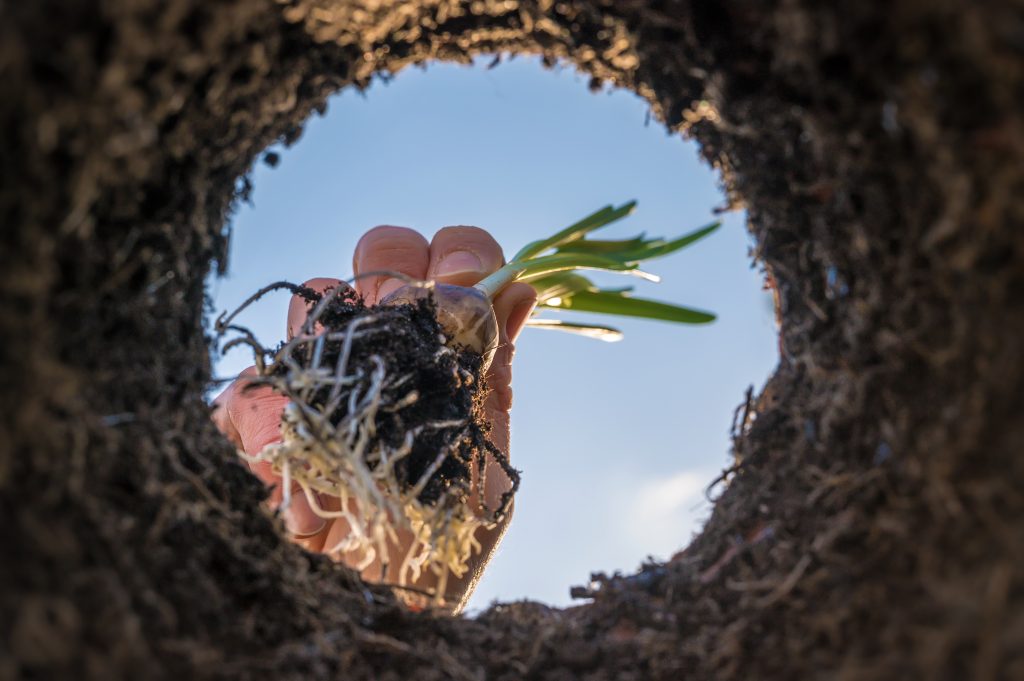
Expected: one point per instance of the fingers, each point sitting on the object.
(463, 256)
(513, 306)
(395, 249)
(299, 517)
(250, 416)
(220, 416)
(457, 255)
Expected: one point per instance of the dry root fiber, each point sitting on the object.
(387, 418)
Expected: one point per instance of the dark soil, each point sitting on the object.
(869, 524)
(449, 387)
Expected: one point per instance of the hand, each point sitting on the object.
(457, 255)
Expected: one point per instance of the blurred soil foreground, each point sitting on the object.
(873, 526)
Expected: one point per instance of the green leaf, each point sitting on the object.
(594, 221)
(560, 285)
(542, 266)
(607, 334)
(565, 262)
(663, 248)
(609, 302)
(550, 266)
(606, 246)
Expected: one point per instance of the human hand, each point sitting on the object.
(251, 417)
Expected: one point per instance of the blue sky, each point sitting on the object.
(616, 442)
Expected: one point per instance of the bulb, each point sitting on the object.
(465, 314)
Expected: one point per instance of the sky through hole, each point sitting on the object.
(616, 442)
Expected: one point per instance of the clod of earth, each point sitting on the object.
(386, 410)
(386, 417)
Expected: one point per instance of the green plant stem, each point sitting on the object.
(492, 285)
(534, 268)
(549, 264)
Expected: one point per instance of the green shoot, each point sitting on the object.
(596, 331)
(551, 266)
(608, 302)
(594, 221)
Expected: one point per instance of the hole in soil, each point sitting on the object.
(616, 442)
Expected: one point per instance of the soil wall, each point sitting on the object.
(872, 527)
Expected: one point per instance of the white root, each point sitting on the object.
(343, 461)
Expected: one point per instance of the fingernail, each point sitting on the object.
(459, 262)
(387, 287)
(299, 518)
(517, 319)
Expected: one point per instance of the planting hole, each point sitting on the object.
(616, 442)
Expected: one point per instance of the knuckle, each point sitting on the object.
(500, 375)
(501, 397)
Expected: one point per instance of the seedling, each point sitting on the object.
(551, 266)
(386, 402)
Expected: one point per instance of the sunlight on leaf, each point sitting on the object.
(607, 334)
(606, 302)
(592, 222)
